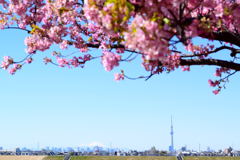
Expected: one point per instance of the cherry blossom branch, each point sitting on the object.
(129, 57)
(140, 77)
(223, 79)
(221, 83)
(190, 62)
(23, 60)
(18, 29)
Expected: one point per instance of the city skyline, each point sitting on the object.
(91, 147)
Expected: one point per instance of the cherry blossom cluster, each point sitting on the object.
(149, 28)
(9, 64)
(110, 60)
(200, 50)
(149, 31)
(217, 83)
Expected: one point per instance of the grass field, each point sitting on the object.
(211, 158)
(121, 158)
(21, 157)
(54, 158)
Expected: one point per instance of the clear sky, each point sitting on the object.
(71, 107)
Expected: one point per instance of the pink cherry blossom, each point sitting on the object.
(29, 60)
(47, 60)
(118, 76)
(213, 84)
(110, 60)
(216, 92)
(7, 61)
(64, 44)
(185, 68)
(62, 62)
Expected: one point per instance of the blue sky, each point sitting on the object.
(70, 107)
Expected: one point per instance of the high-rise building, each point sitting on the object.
(171, 147)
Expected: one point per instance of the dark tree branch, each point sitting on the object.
(18, 28)
(112, 46)
(225, 36)
(210, 62)
(233, 53)
(191, 62)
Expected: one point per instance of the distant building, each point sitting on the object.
(228, 151)
(184, 148)
(236, 153)
(17, 151)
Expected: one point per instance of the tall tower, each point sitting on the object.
(171, 148)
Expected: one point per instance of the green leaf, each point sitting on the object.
(166, 20)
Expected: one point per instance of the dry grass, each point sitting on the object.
(54, 158)
(21, 157)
